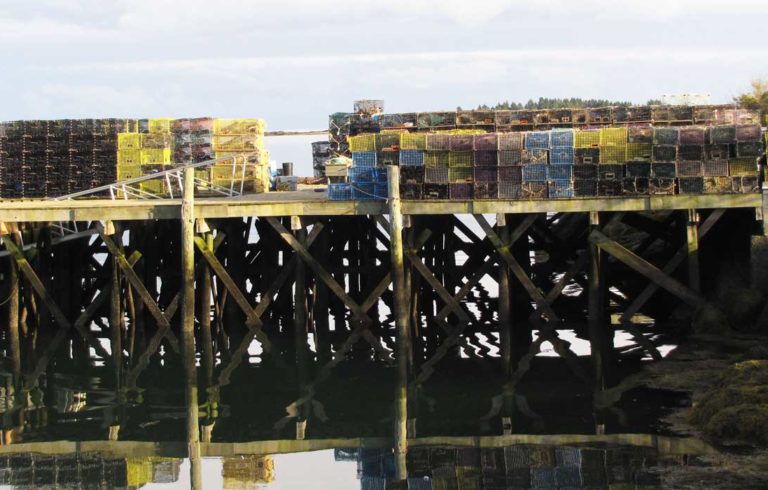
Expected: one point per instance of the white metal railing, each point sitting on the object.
(174, 179)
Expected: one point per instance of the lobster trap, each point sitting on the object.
(586, 155)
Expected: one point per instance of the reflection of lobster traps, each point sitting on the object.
(246, 470)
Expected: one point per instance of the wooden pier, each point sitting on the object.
(313, 282)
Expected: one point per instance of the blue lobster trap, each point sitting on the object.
(535, 173)
(339, 192)
(411, 158)
(561, 156)
(364, 159)
(537, 140)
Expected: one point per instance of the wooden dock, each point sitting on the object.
(210, 277)
(314, 203)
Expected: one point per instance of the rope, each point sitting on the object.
(382, 198)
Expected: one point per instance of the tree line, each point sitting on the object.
(556, 103)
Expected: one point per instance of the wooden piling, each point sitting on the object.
(116, 322)
(692, 236)
(188, 325)
(401, 322)
(596, 310)
(300, 324)
(204, 318)
(505, 304)
(13, 314)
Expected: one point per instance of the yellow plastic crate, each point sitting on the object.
(463, 131)
(457, 175)
(220, 172)
(128, 157)
(461, 159)
(128, 141)
(413, 141)
(238, 142)
(155, 141)
(613, 154)
(125, 172)
(159, 125)
(639, 152)
(587, 138)
(257, 158)
(155, 156)
(614, 137)
(249, 186)
(156, 186)
(138, 472)
(238, 126)
(742, 167)
(436, 159)
(362, 142)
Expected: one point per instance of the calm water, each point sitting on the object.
(459, 439)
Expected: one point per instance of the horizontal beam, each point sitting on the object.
(138, 449)
(310, 203)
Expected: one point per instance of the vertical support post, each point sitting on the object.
(116, 340)
(115, 320)
(188, 325)
(300, 324)
(595, 314)
(401, 321)
(13, 314)
(505, 324)
(505, 304)
(598, 334)
(204, 318)
(692, 235)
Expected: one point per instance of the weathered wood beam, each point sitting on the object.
(692, 241)
(136, 282)
(647, 269)
(320, 271)
(266, 300)
(505, 253)
(61, 320)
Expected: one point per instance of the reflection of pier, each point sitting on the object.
(297, 285)
(522, 461)
(84, 470)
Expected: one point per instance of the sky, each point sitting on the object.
(294, 62)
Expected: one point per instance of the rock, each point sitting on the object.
(736, 408)
(710, 320)
(743, 306)
(741, 423)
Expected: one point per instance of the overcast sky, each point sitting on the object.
(295, 61)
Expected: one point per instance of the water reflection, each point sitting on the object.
(536, 466)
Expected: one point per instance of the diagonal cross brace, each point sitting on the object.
(42, 292)
(255, 329)
(320, 271)
(514, 266)
(671, 266)
(646, 268)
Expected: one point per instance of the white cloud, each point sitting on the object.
(44, 30)
(458, 60)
